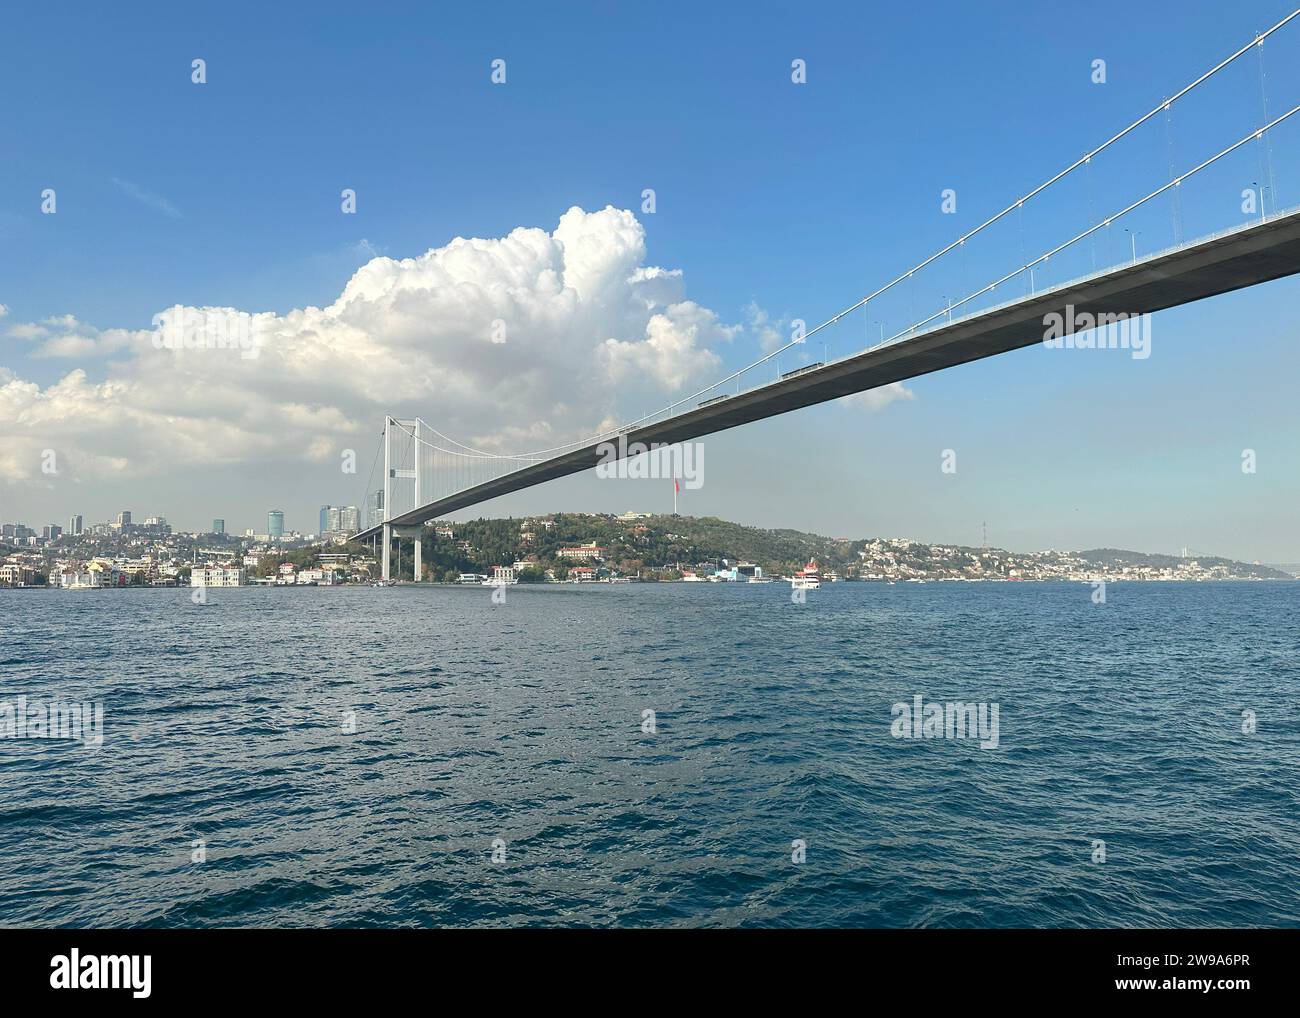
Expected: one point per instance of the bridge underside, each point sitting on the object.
(1243, 257)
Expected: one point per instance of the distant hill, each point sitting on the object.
(662, 543)
(1119, 557)
(655, 542)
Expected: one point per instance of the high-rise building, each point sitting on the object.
(218, 526)
(76, 526)
(332, 522)
(324, 520)
(51, 532)
(124, 519)
(155, 526)
(275, 524)
(375, 509)
(349, 519)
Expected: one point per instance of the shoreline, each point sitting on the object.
(670, 583)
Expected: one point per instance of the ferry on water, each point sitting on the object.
(807, 578)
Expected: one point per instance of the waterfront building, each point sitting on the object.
(502, 576)
(13, 574)
(73, 578)
(104, 573)
(217, 576)
(583, 552)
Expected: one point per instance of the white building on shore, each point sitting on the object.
(217, 576)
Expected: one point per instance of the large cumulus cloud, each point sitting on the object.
(510, 343)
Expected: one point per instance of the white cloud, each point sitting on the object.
(145, 197)
(64, 336)
(878, 399)
(584, 317)
(766, 329)
(674, 350)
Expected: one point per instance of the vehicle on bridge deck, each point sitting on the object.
(799, 371)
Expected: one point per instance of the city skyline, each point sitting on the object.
(622, 279)
(327, 536)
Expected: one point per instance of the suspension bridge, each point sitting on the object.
(427, 475)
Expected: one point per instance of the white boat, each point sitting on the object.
(807, 578)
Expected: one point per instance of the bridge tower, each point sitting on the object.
(408, 484)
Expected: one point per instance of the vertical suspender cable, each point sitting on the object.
(1088, 178)
(1265, 141)
(1174, 198)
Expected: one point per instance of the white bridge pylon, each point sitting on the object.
(422, 465)
(409, 481)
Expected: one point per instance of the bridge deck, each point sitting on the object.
(1250, 254)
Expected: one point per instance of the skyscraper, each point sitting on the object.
(218, 526)
(324, 520)
(124, 519)
(75, 526)
(275, 524)
(349, 519)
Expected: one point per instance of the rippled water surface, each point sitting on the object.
(224, 722)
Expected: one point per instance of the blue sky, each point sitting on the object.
(795, 199)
